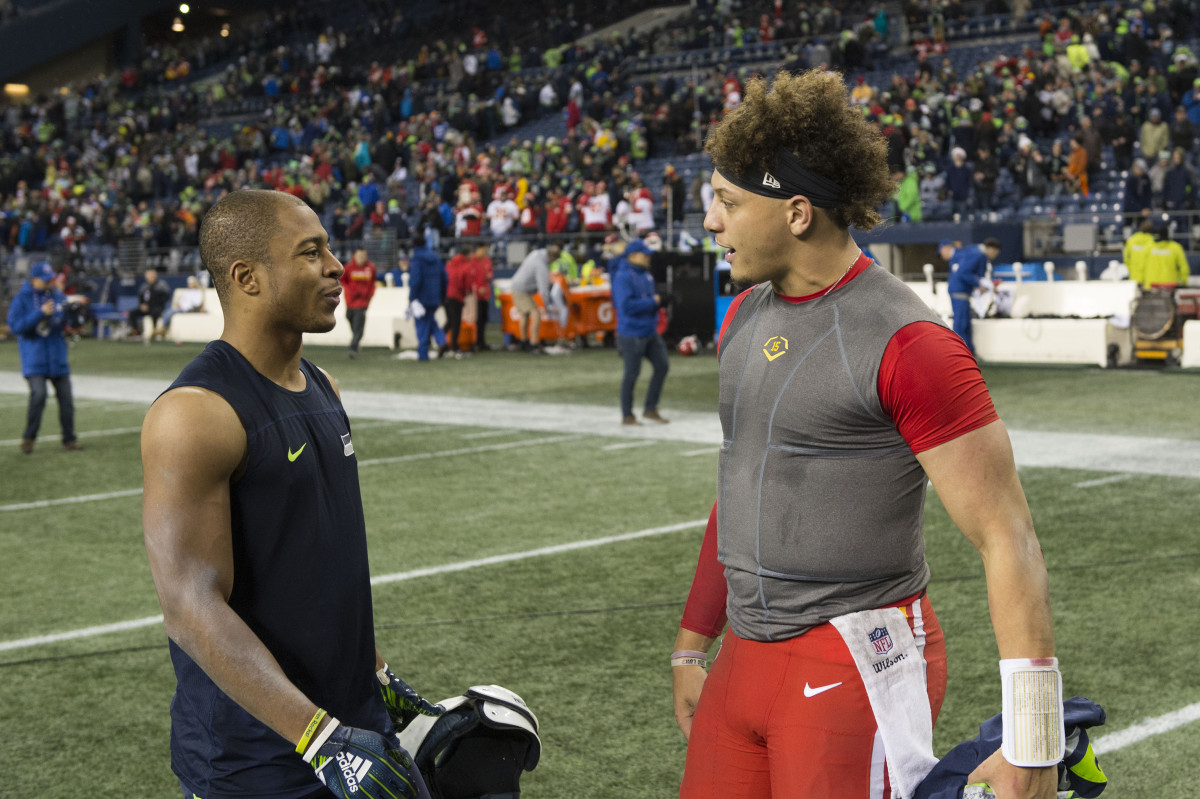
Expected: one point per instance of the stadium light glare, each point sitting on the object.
(177, 25)
(16, 90)
(184, 8)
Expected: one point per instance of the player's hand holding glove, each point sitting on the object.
(403, 703)
(355, 763)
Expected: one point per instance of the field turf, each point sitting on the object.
(581, 632)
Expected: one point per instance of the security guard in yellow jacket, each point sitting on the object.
(1165, 262)
(1137, 247)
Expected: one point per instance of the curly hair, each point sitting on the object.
(808, 114)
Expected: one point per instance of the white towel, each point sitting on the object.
(893, 671)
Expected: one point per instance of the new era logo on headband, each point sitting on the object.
(770, 180)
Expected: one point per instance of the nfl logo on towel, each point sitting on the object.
(881, 640)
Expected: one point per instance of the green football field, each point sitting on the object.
(520, 536)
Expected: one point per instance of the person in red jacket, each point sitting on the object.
(558, 211)
(481, 270)
(460, 275)
(358, 286)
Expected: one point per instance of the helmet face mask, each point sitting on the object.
(478, 748)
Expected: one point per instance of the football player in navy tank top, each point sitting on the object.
(841, 395)
(254, 528)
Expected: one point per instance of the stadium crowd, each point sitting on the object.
(390, 124)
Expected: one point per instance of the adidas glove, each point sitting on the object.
(360, 764)
(403, 703)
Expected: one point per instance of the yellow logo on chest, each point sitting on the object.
(775, 346)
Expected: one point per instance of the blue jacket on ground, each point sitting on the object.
(633, 298)
(41, 343)
(426, 278)
(968, 266)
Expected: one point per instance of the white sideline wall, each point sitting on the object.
(1081, 333)
(1191, 343)
(385, 318)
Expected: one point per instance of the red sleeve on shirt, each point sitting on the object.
(705, 609)
(930, 384)
(729, 314)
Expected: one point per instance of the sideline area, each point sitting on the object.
(1104, 453)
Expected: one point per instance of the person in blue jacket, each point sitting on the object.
(637, 303)
(36, 317)
(426, 291)
(968, 271)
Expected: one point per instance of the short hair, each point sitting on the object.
(992, 243)
(239, 227)
(808, 114)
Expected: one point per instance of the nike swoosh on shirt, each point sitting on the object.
(809, 693)
(293, 455)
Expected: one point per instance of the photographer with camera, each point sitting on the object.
(37, 316)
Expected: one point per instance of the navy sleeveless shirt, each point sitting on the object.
(301, 582)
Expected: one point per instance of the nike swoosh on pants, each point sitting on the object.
(810, 692)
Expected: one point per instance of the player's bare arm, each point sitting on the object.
(688, 681)
(192, 445)
(976, 479)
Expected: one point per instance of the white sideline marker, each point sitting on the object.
(1103, 481)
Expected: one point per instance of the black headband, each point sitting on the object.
(786, 178)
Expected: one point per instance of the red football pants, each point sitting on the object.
(791, 719)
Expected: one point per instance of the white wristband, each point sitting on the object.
(1032, 712)
(382, 676)
(319, 741)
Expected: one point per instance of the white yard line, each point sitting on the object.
(86, 632)
(489, 434)
(1146, 729)
(1103, 481)
(50, 503)
(691, 453)
(427, 428)
(446, 568)
(115, 431)
(422, 456)
(535, 553)
(629, 445)
(416, 456)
